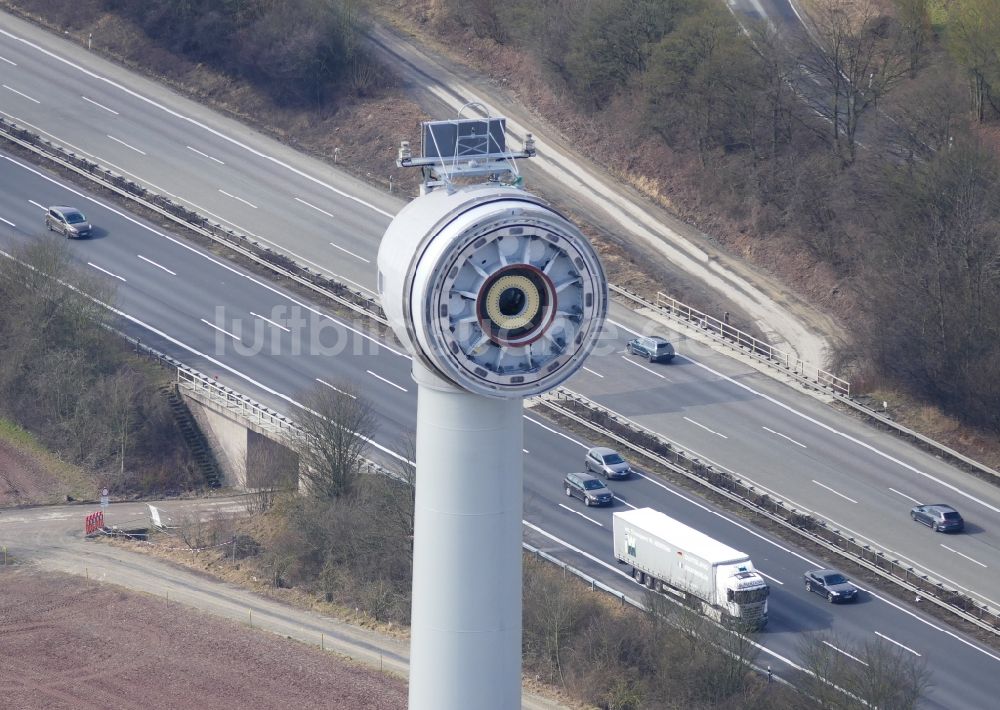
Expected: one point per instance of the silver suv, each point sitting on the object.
(607, 462)
(68, 221)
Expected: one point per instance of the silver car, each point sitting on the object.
(68, 221)
(607, 462)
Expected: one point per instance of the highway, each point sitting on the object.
(818, 460)
(181, 299)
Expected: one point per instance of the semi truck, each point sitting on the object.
(670, 557)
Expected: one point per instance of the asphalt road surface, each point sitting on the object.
(225, 321)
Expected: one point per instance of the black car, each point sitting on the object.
(68, 221)
(590, 489)
(938, 517)
(831, 584)
(654, 348)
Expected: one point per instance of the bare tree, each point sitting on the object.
(336, 427)
(268, 474)
(825, 668)
(553, 613)
(889, 677)
(860, 57)
(974, 42)
(878, 675)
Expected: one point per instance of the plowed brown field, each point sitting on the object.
(69, 643)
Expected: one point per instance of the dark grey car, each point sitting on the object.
(607, 462)
(68, 221)
(831, 584)
(590, 489)
(938, 517)
(654, 348)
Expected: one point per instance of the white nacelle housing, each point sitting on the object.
(493, 289)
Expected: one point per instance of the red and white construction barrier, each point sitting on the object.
(93, 522)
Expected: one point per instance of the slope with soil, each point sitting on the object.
(71, 643)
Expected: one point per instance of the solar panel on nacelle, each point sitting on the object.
(464, 138)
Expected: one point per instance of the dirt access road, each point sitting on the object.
(571, 181)
(50, 539)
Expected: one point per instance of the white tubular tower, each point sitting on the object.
(497, 297)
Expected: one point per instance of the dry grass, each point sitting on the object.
(31, 475)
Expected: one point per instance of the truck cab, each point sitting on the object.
(746, 593)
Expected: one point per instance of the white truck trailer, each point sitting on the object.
(668, 556)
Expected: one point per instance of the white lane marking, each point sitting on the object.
(388, 382)
(623, 327)
(4, 59)
(710, 431)
(309, 204)
(596, 374)
(905, 648)
(625, 502)
(356, 256)
(243, 230)
(43, 132)
(193, 122)
(853, 440)
(19, 93)
(208, 358)
(109, 110)
(205, 155)
(636, 603)
(836, 493)
(642, 367)
(130, 147)
(778, 433)
(840, 650)
(221, 330)
(7, 221)
(38, 205)
(962, 554)
(525, 451)
(158, 266)
(248, 233)
(910, 498)
(577, 512)
(246, 378)
(335, 389)
(557, 433)
(116, 276)
(276, 325)
(773, 579)
(916, 565)
(227, 194)
(886, 600)
(207, 257)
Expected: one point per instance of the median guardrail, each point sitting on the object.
(245, 245)
(799, 370)
(812, 527)
(658, 449)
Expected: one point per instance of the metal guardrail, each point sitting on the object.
(806, 523)
(881, 421)
(162, 205)
(368, 306)
(666, 305)
(798, 369)
(723, 332)
(209, 390)
(203, 387)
